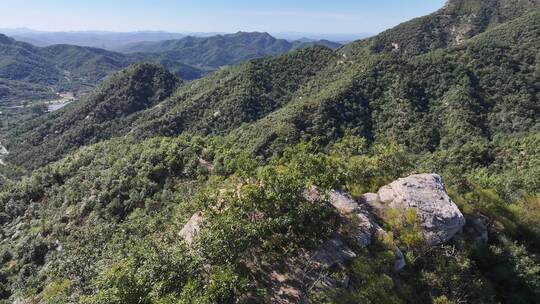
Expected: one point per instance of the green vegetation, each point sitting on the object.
(458, 21)
(93, 197)
(101, 115)
(116, 208)
(28, 72)
(214, 52)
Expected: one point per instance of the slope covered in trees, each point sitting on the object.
(456, 22)
(63, 68)
(100, 115)
(476, 91)
(217, 103)
(72, 68)
(101, 223)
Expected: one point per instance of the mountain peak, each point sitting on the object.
(456, 22)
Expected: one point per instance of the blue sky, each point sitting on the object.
(314, 16)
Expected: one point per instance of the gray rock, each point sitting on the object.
(333, 252)
(3, 153)
(191, 228)
(343, 202)
(369, 198)
(440, 218)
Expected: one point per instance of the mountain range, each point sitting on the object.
(155, 189)
(116, 41)
(211, 53)
(74, 68)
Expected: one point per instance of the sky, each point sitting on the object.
(309, 16)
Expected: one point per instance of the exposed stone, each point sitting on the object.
(343, 202)
(333, 252)
(191, 228)
(368, 198)
(366, 229)
(440, 218)
(3, 153)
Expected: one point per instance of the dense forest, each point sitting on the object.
(153, 189)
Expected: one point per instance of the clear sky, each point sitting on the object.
(312, 16)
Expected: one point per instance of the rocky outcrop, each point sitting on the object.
(335, 251)
(439, 216)
(191, 228)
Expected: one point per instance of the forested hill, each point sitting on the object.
(218, 102)
(100, 115)
(314, 92)
(42, 70)
(271, 181)
(452, 25)
(64, 67)
(210, 53)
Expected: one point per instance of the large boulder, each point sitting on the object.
(440, 218)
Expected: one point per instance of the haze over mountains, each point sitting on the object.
(98, 39)
(116, 41)
(269, 179)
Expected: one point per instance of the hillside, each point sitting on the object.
(292, 178)
(219, 102)
(453, 24)
(75, 68)
(213, 52)
(314, 92)
(100, 115)
(64, 67)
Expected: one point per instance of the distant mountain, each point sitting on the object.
(64, 67)
(74, 68)
(98, 39)
(211, 53)
(294, 36)
(103, 113)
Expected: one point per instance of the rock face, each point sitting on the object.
(440, 218)
(335, 251)
(191, 228)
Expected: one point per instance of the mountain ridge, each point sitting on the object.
(72, 68)
(222, 50)
(455, 22)
(271, 181)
